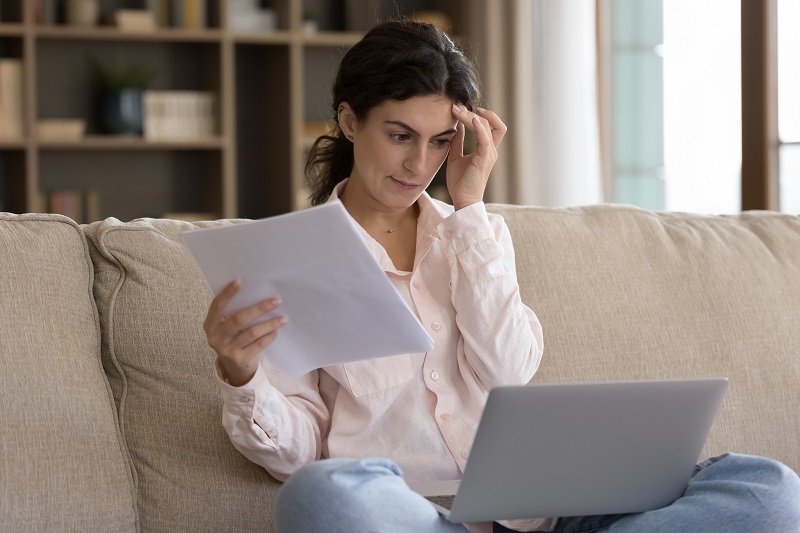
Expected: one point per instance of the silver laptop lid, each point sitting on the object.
(582, 449)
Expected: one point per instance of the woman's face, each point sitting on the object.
(399, 147)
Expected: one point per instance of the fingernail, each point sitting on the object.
(481, 109)
(283, 319)
(276, 301)
(457, 108)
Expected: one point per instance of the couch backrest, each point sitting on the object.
(152, 301)
(63, 466)
(624, 293)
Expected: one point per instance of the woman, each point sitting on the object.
(403, 100)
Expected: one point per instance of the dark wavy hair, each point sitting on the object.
(396, 60)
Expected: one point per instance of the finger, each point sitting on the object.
(479, 126)
(457, 143)
(464, 115)
(484, 142)
(220, 302)
(498, 129)
(258, 332)
(249, 314)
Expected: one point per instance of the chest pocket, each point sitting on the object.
(377, 375)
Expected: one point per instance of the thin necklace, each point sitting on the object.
(397, 227)
(392, 230)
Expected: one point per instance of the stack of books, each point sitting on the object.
(190, 14)
(179, 115)
(81, 206)
(249, 15)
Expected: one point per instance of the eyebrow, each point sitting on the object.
(415, 132)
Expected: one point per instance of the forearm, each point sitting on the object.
(502, 338)
(278, 431)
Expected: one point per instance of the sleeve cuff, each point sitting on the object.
(241, 399)
(464, 228)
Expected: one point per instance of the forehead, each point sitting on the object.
(426, 114)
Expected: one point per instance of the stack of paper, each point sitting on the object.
(340, 303)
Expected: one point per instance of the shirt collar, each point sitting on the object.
(431, 214)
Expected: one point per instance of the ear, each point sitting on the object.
(347, 120)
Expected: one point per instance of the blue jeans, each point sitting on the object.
(731, 493)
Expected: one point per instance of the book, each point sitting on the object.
(179, 115)
(46, 12)
(194, 14)
(11, 99)
(60, 129)
(176, 13)
(134, 20)
(82, 206)
(161, 12)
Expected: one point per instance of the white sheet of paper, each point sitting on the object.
(340, 303)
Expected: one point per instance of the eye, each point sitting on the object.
(399, 137)
(441, 143)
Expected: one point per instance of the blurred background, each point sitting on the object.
(200, 109)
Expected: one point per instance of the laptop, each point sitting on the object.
(580, 449)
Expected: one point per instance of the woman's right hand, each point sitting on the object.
(238, 349)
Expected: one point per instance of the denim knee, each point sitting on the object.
(316, 496)
(764, 486)
(346, 495)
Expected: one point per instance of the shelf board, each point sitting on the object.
(261, 37)
(111, 142)
(110, 33)
(12, 144)
(332, 38)
(12, 30)
(327, 38)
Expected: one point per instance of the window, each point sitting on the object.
(789, 104)
(676, 104)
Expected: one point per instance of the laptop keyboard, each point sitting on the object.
(445, 501)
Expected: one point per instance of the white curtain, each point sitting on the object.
(539, 66)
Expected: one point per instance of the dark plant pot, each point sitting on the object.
(121, 112)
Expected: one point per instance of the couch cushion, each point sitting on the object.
(624, 293)
(152, 301)
(63, 466)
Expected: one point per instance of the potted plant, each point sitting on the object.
(121, 95)
(310, 24)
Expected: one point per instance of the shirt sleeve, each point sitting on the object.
(501, 336)
(274, 421)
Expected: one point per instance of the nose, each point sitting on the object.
(415, 161)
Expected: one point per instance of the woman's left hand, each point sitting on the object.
(467, 175)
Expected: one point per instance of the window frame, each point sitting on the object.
(760, 140)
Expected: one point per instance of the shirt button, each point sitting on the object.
(434, 375)
(436, 326)
(444, 416)
(416, 284)
(448, 234)
(464, 455)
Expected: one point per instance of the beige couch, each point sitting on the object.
(110, 415)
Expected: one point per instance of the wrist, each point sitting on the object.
(462, 204)
(234, 375)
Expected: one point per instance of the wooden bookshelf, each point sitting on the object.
(271, 90)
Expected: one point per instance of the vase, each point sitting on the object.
(82, 12)
(121, 112)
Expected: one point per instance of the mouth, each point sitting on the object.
(404, 185)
